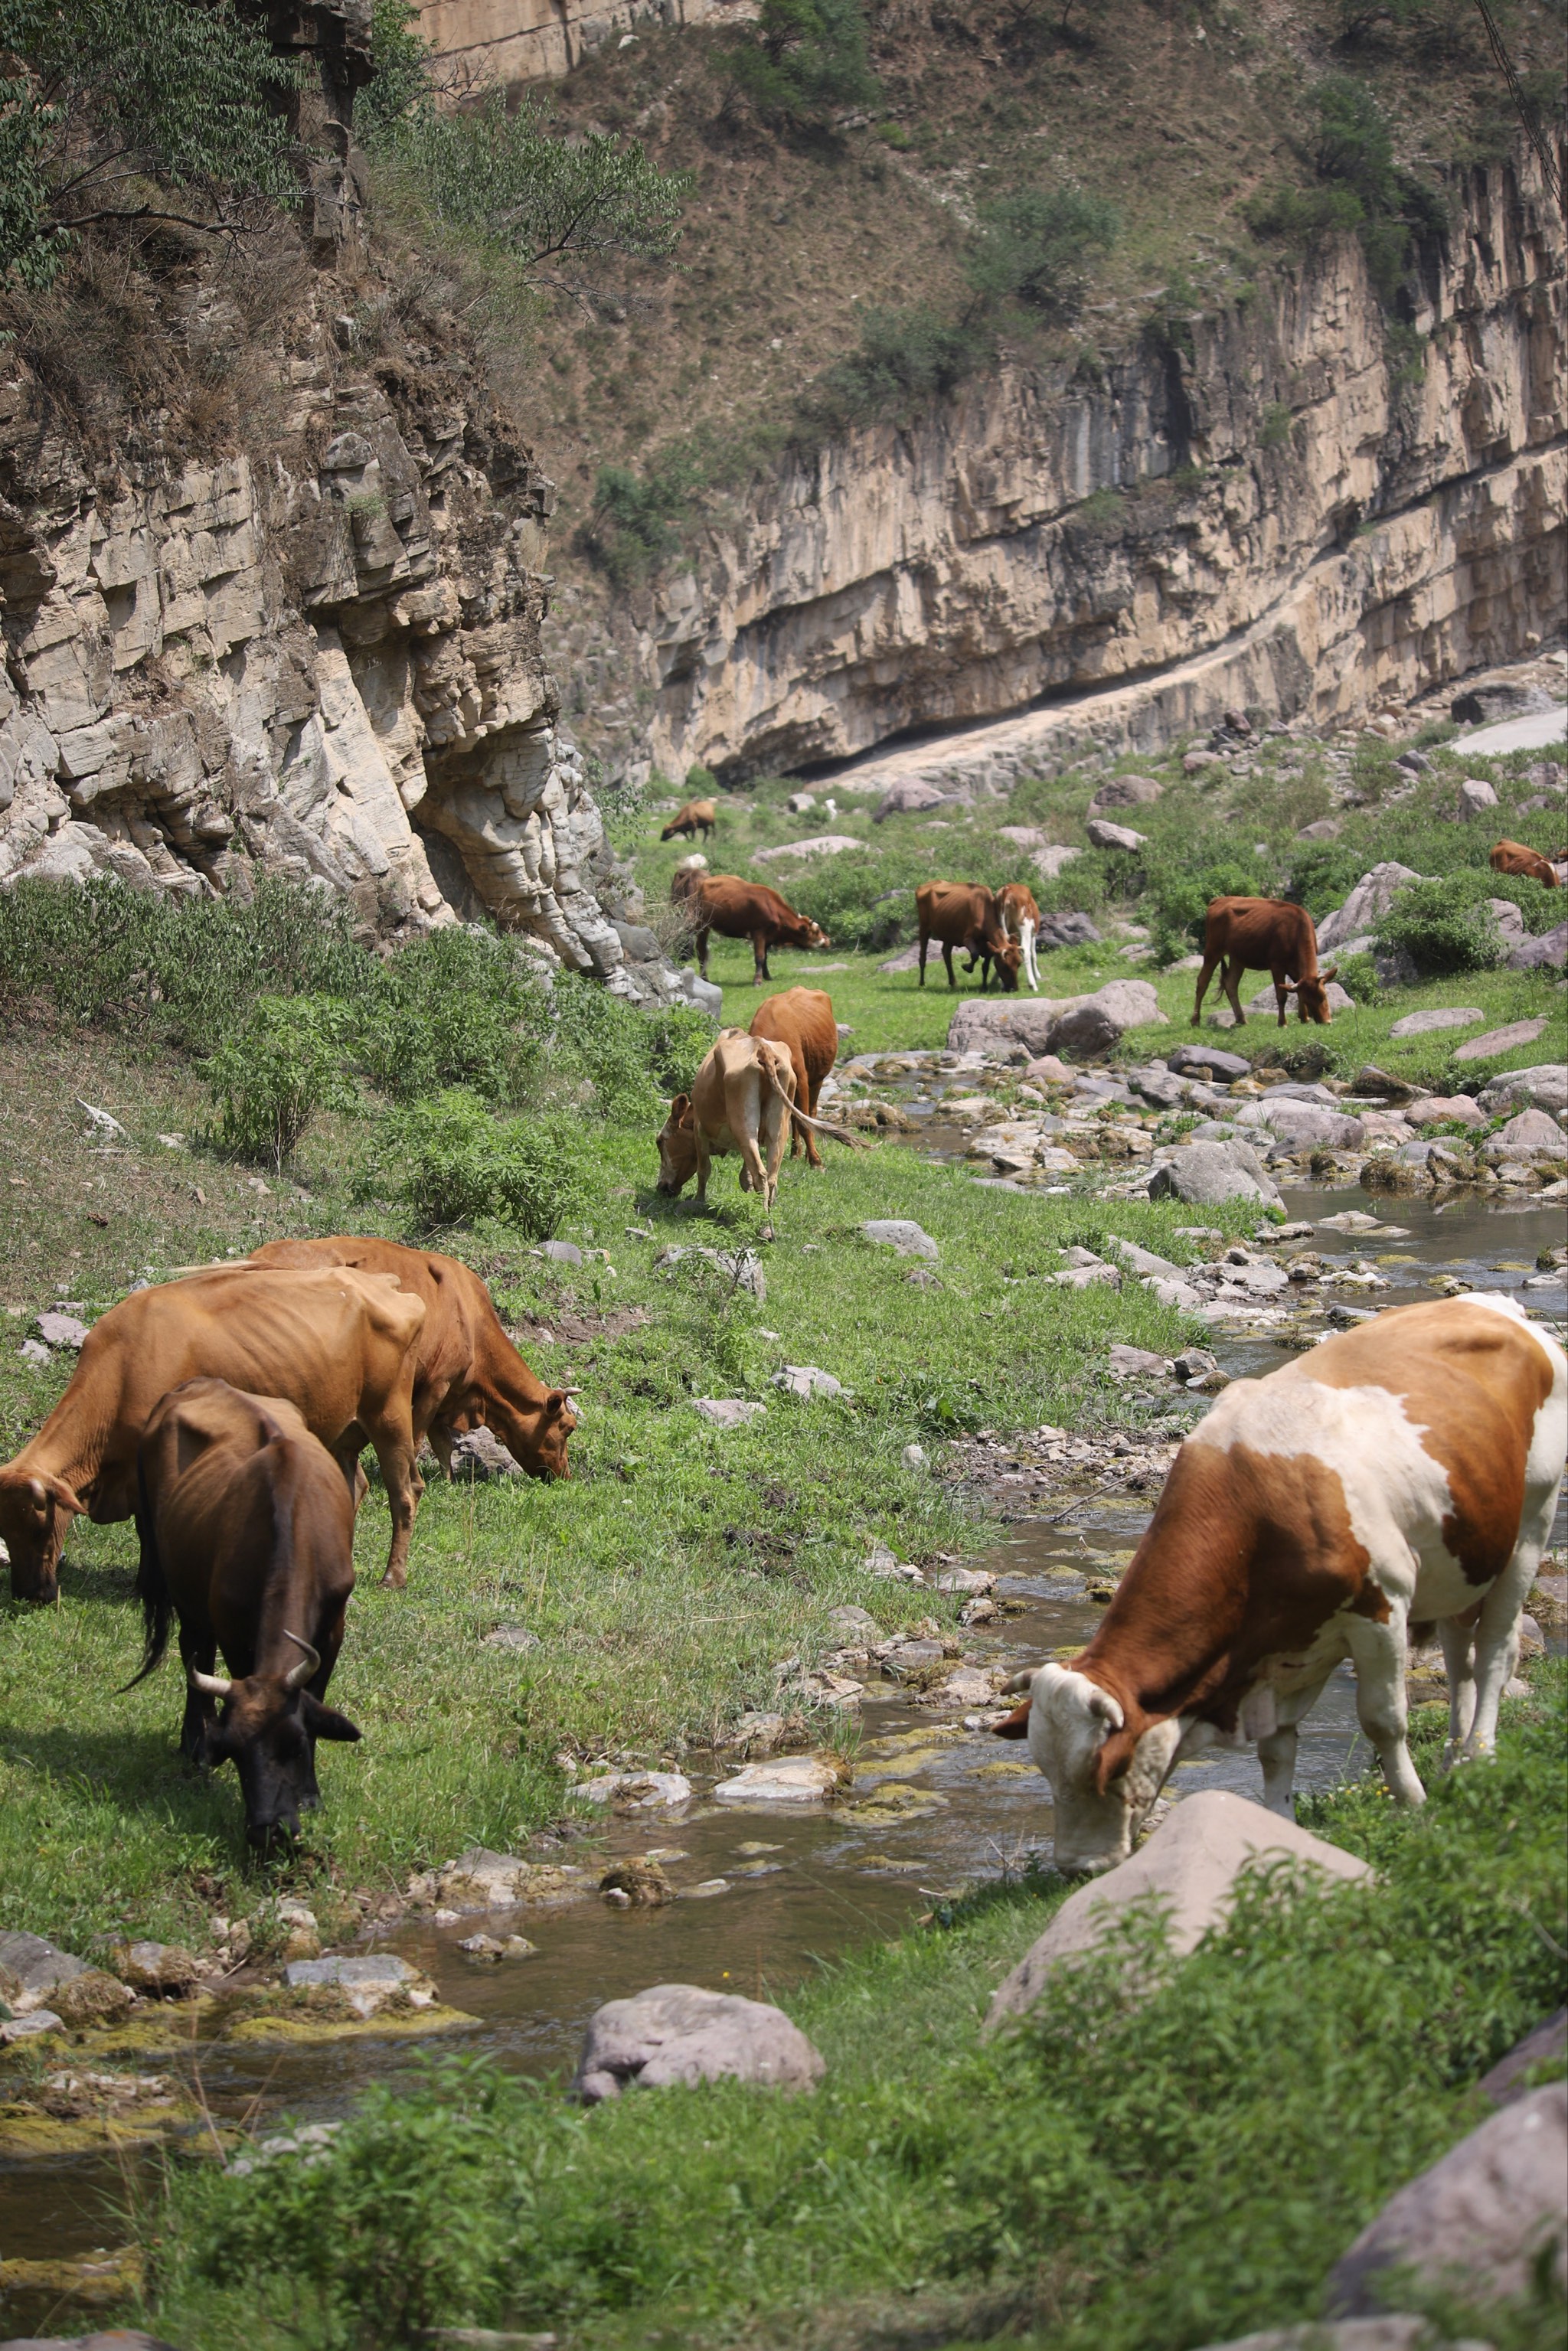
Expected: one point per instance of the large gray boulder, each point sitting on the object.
(678, 2033)
(1204, 1175)
(1366, 904)
(1311, 1125)
(909, 799)
(1435, 1017)
(901, 1234)
(1551, 949)
(1478, 2220)
(1126, 791)
(1528, 1132)
(1545, 1086)
(1188, 1870)
(993, 1024)
(1208, 1061)
(1065, 930)
(1103, 834)
(32, 1968)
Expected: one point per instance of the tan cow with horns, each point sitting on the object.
(1402, 1475)
(742, 1100)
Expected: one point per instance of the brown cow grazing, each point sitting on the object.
(801, 1021)
(697, 816)
(964, 914)
(1265, 935)
(1019, 916)
(1512, 857)
(742, 1100)
(248, 1538)
(337, 1345)
(467, 1374)
(747, 910)
(1401, 1475)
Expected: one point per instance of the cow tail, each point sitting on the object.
(819, 1126)
(151, 1585)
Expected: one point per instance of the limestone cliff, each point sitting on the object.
(541, 40)
(1272, 506)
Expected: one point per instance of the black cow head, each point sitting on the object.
(267, 1728)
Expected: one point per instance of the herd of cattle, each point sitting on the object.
(1401, 1476)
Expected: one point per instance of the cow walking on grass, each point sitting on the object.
(1270, 934)
(1400, 1475)
(965, 915)
(247, 1527)
(698, 818)
(743, 910)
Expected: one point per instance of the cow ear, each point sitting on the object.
(326, 1723)
(1014, 1725)
(1115, 1759)
(1332, 973)
(555, 1403)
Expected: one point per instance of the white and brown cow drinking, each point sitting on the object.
(1404, 1474)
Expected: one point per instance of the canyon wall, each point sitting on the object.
(542, 40)
(1283, 505)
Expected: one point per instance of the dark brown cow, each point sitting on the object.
(801, 1021)
(338, 1344)
(746, 910)
(1264, 935)
(467, 1374)
(964, 914)
(1512, 857)
(697, 816)
(1402, 1474)
(247, 1525)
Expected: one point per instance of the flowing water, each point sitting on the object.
(933, 1807)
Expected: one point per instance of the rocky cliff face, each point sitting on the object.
(1272, 506)
(541, 40)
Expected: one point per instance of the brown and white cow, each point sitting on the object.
(247, 1525)
(746, 910)
(801, 1021)
(964, 914)
(337, 1345)
(742, 1100)
(1402, 1474)
(1268, 934)
(1513, 857)
(1019, 918)
(467, 1374)
(697, 817)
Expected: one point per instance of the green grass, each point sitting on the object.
(1118, 2173)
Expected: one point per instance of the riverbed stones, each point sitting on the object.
(482, 1880)
(1437, 1017)
(1528, 1134)
(1478, 2220)
(1208, 1061)
(782, 1780)
(1188, 1868)
(1205, 1175)
(1445, 1109)
(366, 1983)
(901, 1234)
(636, 1790)
(1545, 1087)
(165, 1970)
(1500, 1040)
(33, 1971)
(1136, 1363)
(678, 2034)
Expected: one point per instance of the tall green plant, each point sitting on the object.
(448, 1160)
(1033, 248)
(803, 60)
(270, 1081)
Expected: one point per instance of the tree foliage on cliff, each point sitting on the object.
(801, 61)
(1357, 185)
(131, 111)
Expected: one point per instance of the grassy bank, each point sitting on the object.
(1114, 2174)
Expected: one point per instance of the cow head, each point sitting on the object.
(556, 1422)
(1007, 960)
(1313, 996)
(677, 1141)
(34, 1510)
(1103, 1782)
(808, 934)
(267, 1730)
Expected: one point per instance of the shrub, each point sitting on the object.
(639, 519)
(1274, 427)
(1033, 248)
(269, 1081)
(802, 61)
(1359, 186)
(448, 1160)
(701, 782)
(907, 359)
(627, 1057)
(1444, 926)
(458, 1009)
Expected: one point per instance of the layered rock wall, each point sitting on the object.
(1284, 503)
(542, 40)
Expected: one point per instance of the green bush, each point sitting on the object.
(907, 359)
(1033, 248)
(1444, 926)
(458, 1009)
(640, 518)
(449, 1160)
(802, 61)
(270, 1079)
(1359, 186)
(701, 782)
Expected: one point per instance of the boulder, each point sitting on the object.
(58, 1330)
(1545, 1086)
(678, 2033)
(561, 1252)
(726, 1412)
(1534, 955)
(819, 844)
(367, 1983)
(1442, 1109)
(1049, 863)
(1479, 2219)
(1309, 1126)
(1366, 904)
(479, 1455)
(1205, 1175)
(1208, 1061)
(1476, 798)
(801, 803)
(1483, 705)
(1049, 1070)
(907, 800)
(1125, 791)
(991, 1024)
(705, 994)
(906, 959)
(1500, 1040)
(1067, 930)
(1136, 1363)
(482, 1880)
(37, 1969)
(1327, 828)
(1508, 920)
(637, 1792)
(163, 1969)
(1103, 834)
(1508, 2078)
(1266, 1001)
(1437, 1015)
(786, 1779)
(1188, 1868)
(901, 1234)
(1526, 1133)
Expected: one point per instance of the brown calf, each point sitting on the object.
(697, 816)
(1512, 857)
(801, 1021)
(1264, 935)
(965, 915)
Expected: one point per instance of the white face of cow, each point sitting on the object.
(1070, 1719)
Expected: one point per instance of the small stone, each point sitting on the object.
(1437, 1017)
(785, 1780)
(1196, 1363)
(511, 1636)
(636, 1790)
(901, 1234)
(57, 1330)
(1476, 797)
(914, 1457)
(727, 1411)
(1136, 1363)
(561, 1252)
(33, 1350)
(165, 1969)
(859, 1622)
(804, 1380)
(478, 1457)
(966, 1579)
(643, 1884)
(28, 2027)
(677, 2033)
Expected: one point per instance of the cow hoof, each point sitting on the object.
(394, 1580)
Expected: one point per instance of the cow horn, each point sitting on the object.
(1332, 973)
(309, 1664)
(210, 1684)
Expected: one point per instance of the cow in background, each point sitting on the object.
(801, 1021)
(1401, 1474)
(746, 910)
(1270, 934)
(247, 1526)
(697, 817)
(1513, 857)
(964, 914)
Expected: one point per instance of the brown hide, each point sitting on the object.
(740, 1102)
(467, 1372)
(965, 915)
(697, 816)
(337, 1344)
(746, 910)
(1512, 857)
(1270, 934)
(801, 1021)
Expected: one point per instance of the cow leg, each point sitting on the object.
(948, 960)
(399, 1474)
(701, 939)
(1282, 996)
(806, 1093)
(1497, 1635)
(1380, 1654)
(198, 1651)
(1230, 981)
(760, 958)
(704, 1160)
(1458, 1636)
(1031, 960)
(442, 1442)
(1204, 977)
(925, 943)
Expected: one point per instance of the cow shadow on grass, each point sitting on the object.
(135, 1768)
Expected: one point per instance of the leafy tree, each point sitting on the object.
(1033, 247)
(905, 358)
(125, 111)
(270, 1079)
(448, 1160)
(401, 85)
(803, 61)
(1358, 185)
